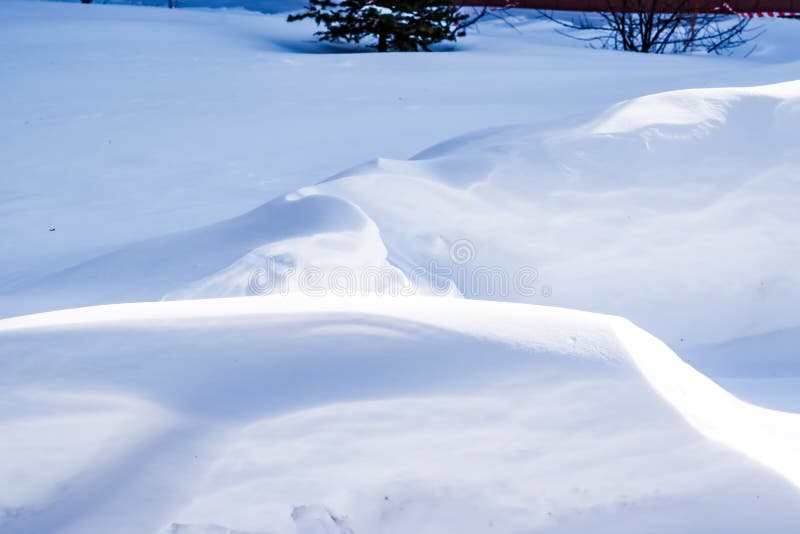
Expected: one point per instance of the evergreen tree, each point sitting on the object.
(402, 25)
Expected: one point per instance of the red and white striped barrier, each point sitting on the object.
(762, 14)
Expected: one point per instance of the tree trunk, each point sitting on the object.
(383, 37)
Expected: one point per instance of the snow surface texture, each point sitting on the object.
(678, 210)
(110, 138)
(284, 414)
(151, 181)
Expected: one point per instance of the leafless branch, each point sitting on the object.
(656, 26)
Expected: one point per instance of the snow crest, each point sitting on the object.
(364, 414)
(634, 212)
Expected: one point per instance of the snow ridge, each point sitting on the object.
(548, 352)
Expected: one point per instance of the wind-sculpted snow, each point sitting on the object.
(300, 414)
(386, 365)
(677, 210)
(154, 268)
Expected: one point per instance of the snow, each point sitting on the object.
(550, 418)
(684, 204)
(762, 368)
(252, 283)
(208, 116)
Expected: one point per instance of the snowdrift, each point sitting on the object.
(300, 414)
(677, 210)
(205, 409)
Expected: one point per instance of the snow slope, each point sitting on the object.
(300, 414)
(124, 123)
(677, 210)
(157, 163)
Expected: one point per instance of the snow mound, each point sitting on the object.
(366, 414)
(349, 261)
(388, 411)
(154, 268)
(633, 212)
(707, 108)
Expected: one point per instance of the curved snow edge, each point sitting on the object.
(768, 437)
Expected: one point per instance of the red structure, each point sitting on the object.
(774, 8)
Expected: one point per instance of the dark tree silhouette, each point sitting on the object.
(401, 25)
